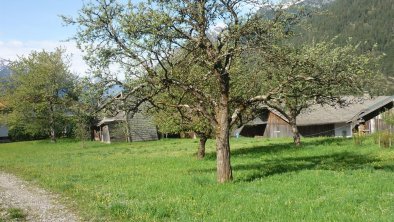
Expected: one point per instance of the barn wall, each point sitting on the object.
(142, 128)
(117, 131)
(277, 127)
(343, 130)
(376, 124)
(254, 130)
(317, 130)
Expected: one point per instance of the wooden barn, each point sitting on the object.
(322, 120)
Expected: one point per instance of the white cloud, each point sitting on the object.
(13, 49)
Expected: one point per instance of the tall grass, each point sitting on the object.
(325, 180)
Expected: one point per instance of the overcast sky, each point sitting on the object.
(28, 25)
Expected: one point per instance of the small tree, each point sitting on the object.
(38, 93)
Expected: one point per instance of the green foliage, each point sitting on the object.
(364, 21)
(386, 139)
(359, 139)
(388, 117)
(12, 214)
(82, 131)
(317, 73)
(327, 179)
(16, 213)
(85, 108)
(38, 95)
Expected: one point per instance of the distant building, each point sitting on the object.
(3, 128)
(113, 128)
(322, 120)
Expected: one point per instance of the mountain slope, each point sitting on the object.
(4, 71)
(366, 21)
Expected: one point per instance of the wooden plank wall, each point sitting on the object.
(277, 127)
(142, 128)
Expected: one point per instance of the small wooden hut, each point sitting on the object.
(111, 129)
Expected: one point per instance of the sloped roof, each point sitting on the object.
(256, 121)
(317, 114)
(119, 117)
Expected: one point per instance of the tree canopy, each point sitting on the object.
(38, 94)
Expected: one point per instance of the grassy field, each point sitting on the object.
(324, 180)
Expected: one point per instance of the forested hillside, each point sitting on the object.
(4, 71)
(367, 21)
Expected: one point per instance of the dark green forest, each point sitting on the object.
(369, 22)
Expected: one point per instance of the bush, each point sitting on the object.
(19, 134)
(358, 139)
(384, 139)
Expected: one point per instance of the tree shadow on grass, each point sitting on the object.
(334, 162)
(279, 147)
(338, 161)
(255, 150)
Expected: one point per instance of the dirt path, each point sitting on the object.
(36, 203)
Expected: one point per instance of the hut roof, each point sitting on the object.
(326, 114)
(317, 114)
(119, 117)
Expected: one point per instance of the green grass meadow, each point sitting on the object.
(325, 179)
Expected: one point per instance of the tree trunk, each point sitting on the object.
(127, 122)
(53, 134)
(296, 133)
(224, 171)
(201, 147)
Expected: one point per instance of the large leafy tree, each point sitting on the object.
(151, 38)
(38, 93)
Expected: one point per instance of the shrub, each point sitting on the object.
(386, 139)
(358, 139)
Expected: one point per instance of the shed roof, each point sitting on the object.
(256, 121)
(326, 114)
(317, 114)
(119, 117)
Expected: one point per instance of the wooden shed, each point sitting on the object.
(111, 129)
(322, 120)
